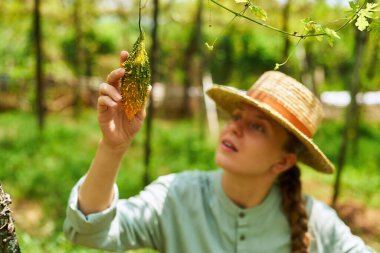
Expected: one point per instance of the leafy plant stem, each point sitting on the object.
(352, 17)
(229, 23)
(140, 16)
(295, 34)
(278, 65)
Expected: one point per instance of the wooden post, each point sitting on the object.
(211, 112)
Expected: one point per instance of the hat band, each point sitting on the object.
(269, 100)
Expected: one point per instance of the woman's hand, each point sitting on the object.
(117, 130)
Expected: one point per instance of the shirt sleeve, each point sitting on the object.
(126, 224)
(329, 233)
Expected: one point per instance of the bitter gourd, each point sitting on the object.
(136, 79)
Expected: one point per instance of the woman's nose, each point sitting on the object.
(236, 126)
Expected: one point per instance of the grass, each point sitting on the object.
(39, 169)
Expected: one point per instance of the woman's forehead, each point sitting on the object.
(252, 110)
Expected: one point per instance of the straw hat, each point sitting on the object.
(288, 102)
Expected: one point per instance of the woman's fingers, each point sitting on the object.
(109, 90)
(114, 77)
(123, 56)
(108, 97)
(104, 102)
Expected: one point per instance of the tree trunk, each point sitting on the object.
(374, 60)
(352, 119)
(8, 240)
(308, 71)
(39, 75)
(191, 51)
(285, 27)
(154, 78)
(78, 58)
(357, 110)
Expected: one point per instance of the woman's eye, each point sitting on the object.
(236, 117)
(257, 127)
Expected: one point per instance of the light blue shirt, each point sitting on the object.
(190, 213)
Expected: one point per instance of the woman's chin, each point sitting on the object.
(225, 163)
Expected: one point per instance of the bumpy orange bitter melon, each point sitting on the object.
(136, 80)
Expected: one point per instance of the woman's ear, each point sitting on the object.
(287, 161)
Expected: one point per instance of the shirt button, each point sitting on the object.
(242, 238)
(241, 215)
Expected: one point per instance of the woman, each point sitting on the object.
(253, 204)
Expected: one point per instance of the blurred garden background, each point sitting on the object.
(54, 54)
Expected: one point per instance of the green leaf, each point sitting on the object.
(371, 7)
(355, 10)
(330, 41)
(353, 5)
(319, 38)
(362, 23)
(331, 36)
(306, 20)
(312, 27)
(374, 27)
(209, 47)
(364, 14)
(309, 27)
(259, 12)
(331, 33)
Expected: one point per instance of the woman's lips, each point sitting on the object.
(227, 144)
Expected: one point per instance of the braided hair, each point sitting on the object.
(293, 205)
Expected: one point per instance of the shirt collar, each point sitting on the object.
(272, 199)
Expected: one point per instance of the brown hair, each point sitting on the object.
(292, 202)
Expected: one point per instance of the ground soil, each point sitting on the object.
(362, 220)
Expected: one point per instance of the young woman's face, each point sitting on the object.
(250, 143)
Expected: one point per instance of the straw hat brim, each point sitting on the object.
(228, 99)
